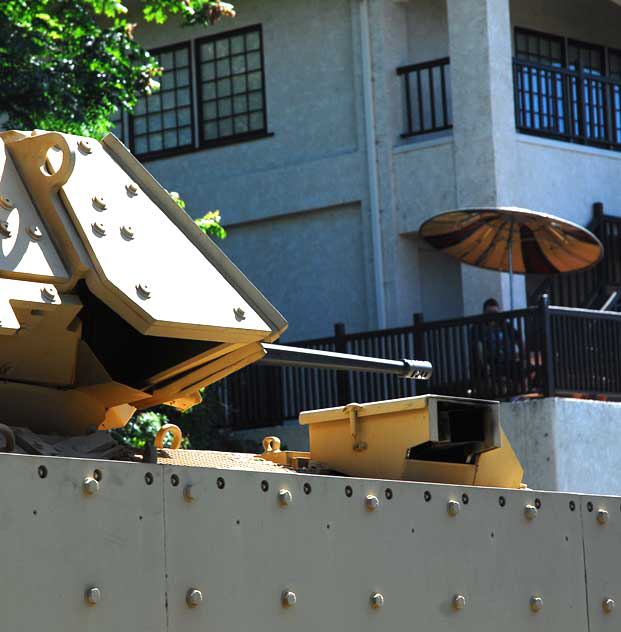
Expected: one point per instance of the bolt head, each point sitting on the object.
(602, 516)
(536, 603)
(100, 203)
(239, 314)
(85, 146)
(49, 293)
(194, 598)
(99, 229)
(288, 599)
(144, 290)
(131, 188)
(92, 596)
(189, 493)
(372, 502)
(530, 512)
(90, 486)
(459, 602)
(34, 232)
(453, 507)
(608, 605)
(5, 231)
(376, 600)
(127, 232)
(284, 497)
(6, 202)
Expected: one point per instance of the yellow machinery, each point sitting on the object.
(404, 514)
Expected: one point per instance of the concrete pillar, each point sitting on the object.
(484, 125)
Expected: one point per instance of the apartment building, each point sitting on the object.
(327, 131)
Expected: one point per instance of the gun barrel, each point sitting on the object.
(280, 355)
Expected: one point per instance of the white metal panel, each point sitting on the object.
(246, 549)
(157, 254)
(21, 254)
(55, 543)
(602, 551)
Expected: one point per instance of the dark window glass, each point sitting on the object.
(119, 126)
(163, 121)
(231, 85)
(588, 57)
(539, 48)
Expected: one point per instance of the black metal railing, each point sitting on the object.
(570, 105)
(427, 94)
(538, 351)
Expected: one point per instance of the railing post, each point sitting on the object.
(547, 350)
(343, 392)
(422, 387)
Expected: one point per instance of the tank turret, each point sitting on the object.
(111, 299)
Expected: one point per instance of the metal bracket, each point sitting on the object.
(352, 411)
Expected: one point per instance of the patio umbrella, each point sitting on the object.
(513, 240)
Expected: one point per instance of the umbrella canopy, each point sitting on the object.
(513, 240)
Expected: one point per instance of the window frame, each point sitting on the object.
(163, 153)
(204, 143)
(519, 30)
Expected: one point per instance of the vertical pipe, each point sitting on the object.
(374, 202)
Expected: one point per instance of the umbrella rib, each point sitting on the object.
(485, 254)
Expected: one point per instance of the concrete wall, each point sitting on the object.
(592, 21)
(310, 265)
(427, 31)
(566, 444)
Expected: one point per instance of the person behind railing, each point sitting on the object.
(495, 348)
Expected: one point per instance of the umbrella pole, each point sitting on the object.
(511, 263)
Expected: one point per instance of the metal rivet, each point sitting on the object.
(530, 512)
(48, 293)
(459, 602)
(194, 597)
(284, 497)
(92, 596)
(608, 605)
(99, 229)
(6, 202)
(85, 146)
(372, 502)
(144, 290)
(288, 599)
(239, 314)
(602, 516)
(376, 600)
(100, 203)
(132, 188)
(453, 507)
(5, 231)
(189, 493)
(34, 232)
(127, 232)
(536, 603)
(90, 486)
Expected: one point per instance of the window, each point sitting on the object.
(567, 89)
(539, 48)
(119, 129)
(231, 86)
(163, 122)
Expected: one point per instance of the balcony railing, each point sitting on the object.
(427, 90)
(538, 351)
(570, 105)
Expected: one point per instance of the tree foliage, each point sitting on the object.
(68, 65)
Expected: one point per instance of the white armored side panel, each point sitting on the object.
(506, 559)
(601, 517)
(184, 549)
(57, 542)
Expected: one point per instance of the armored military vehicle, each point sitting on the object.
(409, 513)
